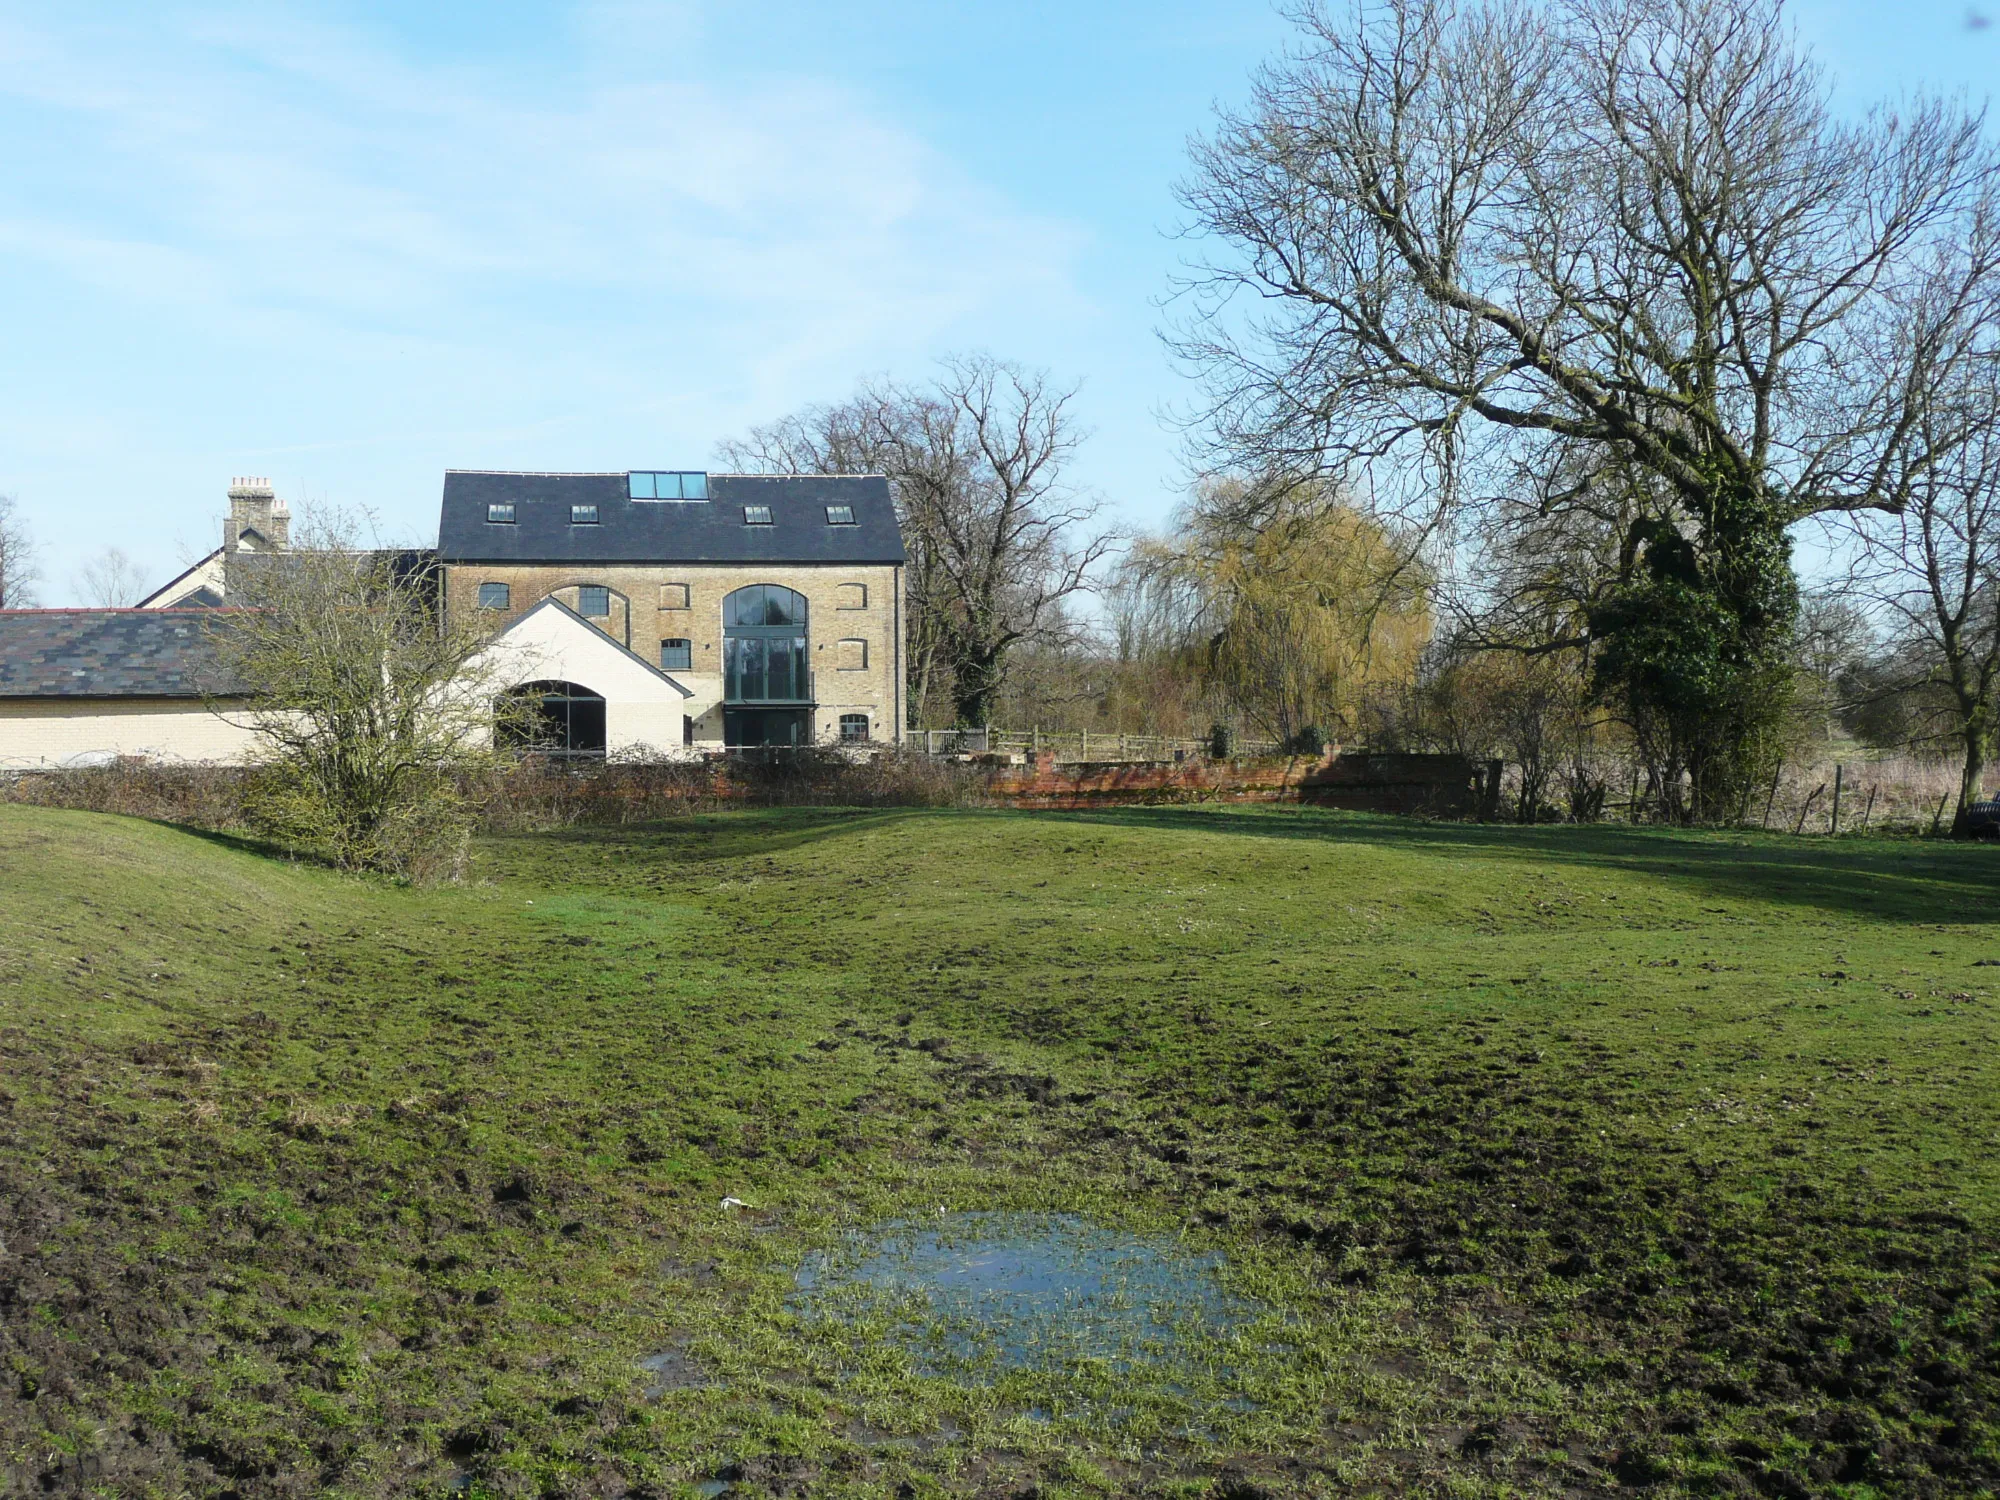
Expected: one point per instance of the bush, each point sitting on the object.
(1221, 741)
(1309, 741)
(513, 796)
(199, 796)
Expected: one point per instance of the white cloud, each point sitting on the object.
(358, 244)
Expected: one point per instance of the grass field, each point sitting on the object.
(1561, 1161)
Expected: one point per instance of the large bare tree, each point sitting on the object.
(1463, 246)
(1934, 566)
(17, 558)
(998, 536)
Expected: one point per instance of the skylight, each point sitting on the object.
(583, 515)
(756, 515)
(840, 515)
(500, 515)
(669, 484)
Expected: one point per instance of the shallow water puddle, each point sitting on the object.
(975, 1296)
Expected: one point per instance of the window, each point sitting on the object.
(593, 601)
(680, 484)
(851, 596)
(764, 604)
(676, 655)
(840, 515)
(764, 647)
(673, 596)
(499, 515)
(854, 729)
(583, 515)
(495, 596)
(756, 515)
(851, 655)
(687, 729)
(560, 719)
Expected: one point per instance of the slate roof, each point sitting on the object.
(645, 531)
(106, 653)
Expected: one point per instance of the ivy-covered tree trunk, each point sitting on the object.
(1694, 652)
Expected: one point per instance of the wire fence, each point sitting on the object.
(1075, 745)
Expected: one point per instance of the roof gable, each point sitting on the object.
(554, 641)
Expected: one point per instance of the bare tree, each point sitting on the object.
(1935, 567)
(998, 537)
(370, 708)
(111, 580)
(17, 558)
(1467, 243)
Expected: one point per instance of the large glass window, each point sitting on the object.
(765, 671)
(764, 604)
(764, 646)
(593, 601)
(678, 484)
(676, 655)
(495, 596)
(553, 718)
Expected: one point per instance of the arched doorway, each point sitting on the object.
(553, 718)
(767, 687)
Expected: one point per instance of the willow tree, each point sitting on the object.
(1458, 248)
(1289, 605)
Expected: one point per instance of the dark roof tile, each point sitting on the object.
(106, 653)
(647, 531)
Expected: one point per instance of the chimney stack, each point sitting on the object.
(258, 520)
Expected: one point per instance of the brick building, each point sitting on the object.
(772, 603)
(638, 613)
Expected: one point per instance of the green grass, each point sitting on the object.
(1566, 1159)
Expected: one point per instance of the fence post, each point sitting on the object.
(1084, 754)
(1037, 739)
(1833, 824)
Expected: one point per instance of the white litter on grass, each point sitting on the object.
(734, 1203)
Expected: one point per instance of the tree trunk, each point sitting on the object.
(1972, 773)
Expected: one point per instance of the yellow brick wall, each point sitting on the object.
(58, 731)
(638, 621)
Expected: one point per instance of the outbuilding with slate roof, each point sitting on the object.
(79, 686)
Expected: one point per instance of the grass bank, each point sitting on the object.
(1564, 1159)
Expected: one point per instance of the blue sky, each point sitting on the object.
(350, 245)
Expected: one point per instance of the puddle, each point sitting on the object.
(978, 1295)
(673, 1371)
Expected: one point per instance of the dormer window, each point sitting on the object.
(499, 515)
(675, 484)
(840, 515)
(756, 515)
(583, 515)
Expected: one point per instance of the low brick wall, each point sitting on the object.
(1444, 786)
(1435, 786)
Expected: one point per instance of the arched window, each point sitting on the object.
(764, 604)
(553, 718)
(764, 646)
